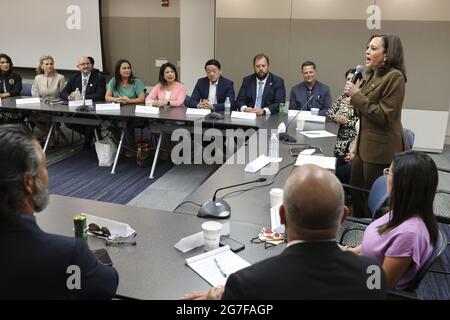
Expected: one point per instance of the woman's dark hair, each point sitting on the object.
(350, 71)
(117, 76)
(8, 59)
(393, 49)
(414, 186)
(161, 73)
(19, 157)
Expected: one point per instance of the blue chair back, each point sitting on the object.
(26, 90)
(439, 248)
(408, 139)
(377, 196)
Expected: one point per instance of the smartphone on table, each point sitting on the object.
(235, 245)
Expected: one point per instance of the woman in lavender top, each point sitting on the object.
(402, 240)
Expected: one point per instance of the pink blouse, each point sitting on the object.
(177, 96)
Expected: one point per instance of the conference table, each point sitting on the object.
(165, 121)
(153, 268)
(254, 205)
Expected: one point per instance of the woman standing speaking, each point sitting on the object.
(379, 105)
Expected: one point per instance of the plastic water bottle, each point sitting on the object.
(281, 108)
(77, 94)
(273, 152)
(227, 106)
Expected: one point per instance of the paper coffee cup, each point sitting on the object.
(314, 111)
(300, 123)
(276, 197)
(211, 233)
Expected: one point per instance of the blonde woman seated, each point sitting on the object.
(47, 84)
(169, 91)
(124, 87)
(402, 240)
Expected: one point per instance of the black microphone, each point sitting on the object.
(358, 73)
(284, 136)
(84, 107)
(220, 209)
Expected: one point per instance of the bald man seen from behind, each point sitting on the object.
(312, 266)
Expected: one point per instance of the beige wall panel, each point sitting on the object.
(141, 41)
(140, 8)
(419, 10)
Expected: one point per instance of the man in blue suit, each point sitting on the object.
(211, 91)
(35, 264)
(310, 93)
(262, 92)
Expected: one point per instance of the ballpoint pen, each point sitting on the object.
(220, 269)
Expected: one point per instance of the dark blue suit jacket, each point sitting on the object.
(224, 89)
(310, 270)
(95, 90)
(321, 97)
(33, 265)
(274, 93)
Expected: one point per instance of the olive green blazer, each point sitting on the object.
(379, 106)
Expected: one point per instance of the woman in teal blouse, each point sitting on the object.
(124, 87)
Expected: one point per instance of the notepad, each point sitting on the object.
(207, 268)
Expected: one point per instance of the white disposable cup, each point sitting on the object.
(314, 111)
(300, 123)
(211, 233)
(276, 197)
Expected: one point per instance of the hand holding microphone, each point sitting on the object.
(351, 87)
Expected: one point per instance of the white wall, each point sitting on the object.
(197, 19)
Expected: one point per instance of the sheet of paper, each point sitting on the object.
(308, 151)
(317, 134)
(321, 161)
(120, 228)
(206, 265)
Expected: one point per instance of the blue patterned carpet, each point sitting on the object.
(80, 176)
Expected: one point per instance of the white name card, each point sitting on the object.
(199, 112)
(28, 101)
(306, 115)
(257, 164)
(78, 103)
(146, 109)
(107, 107)
(243, 115)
